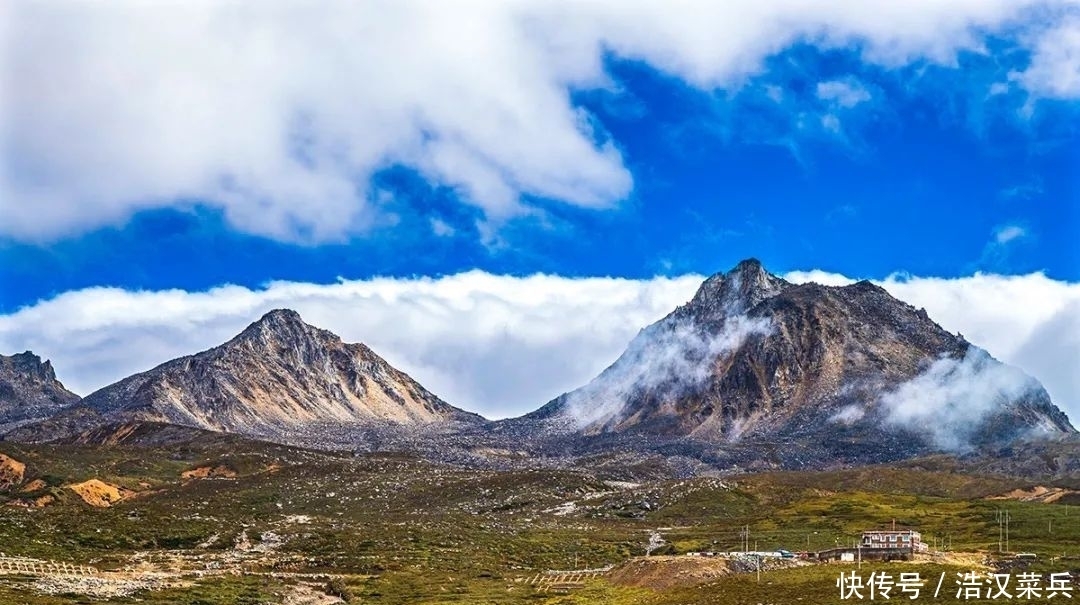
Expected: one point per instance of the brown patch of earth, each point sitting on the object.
(669, 572)
(209, 472)
(970, 560)
(11, 472)
(305, 594)
(96, 492)
(1039, 493)
(34, 486)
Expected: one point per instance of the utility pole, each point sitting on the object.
(1001, 530)
(1007, 549)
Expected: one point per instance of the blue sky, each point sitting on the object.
(818, 158)
(171, 148)
(922, 178)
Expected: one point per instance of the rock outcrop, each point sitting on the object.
(274, 380)
(29, 389)
(100, 494)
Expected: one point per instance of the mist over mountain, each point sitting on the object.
(754, 358)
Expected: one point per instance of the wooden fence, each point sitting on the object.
(38, 567)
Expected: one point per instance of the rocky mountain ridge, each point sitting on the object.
(754, 358)
(753, 372)
(271, 381)
(29, 389)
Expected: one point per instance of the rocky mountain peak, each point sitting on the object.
(281, 336)
(281, 317)
(32, 365)
(277, 378)
(29, 388)
(754, 357)
(282, 324)
(748, 266)
(737, 290)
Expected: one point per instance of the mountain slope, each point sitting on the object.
(29, 389)
(753, 357)
(275, 378)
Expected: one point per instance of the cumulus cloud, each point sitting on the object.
(952, 397)
(664, 361)
(1054, 71)
(279, 113)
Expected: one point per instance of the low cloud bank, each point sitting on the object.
(503, 345)
(496, 345)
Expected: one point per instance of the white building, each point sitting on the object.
(894, 538)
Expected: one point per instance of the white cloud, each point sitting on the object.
(504, 345)
(949, 401)
(844, 93)
(278, 113)
(997, 251)
(839, 96)
(493, 344)
(1008, 233)
(442, 228)
(1054, 71)
(831, 123)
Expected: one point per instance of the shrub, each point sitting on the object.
(338, 588)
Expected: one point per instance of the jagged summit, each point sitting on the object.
(283, 333)
(276, 321)
(277, 376)
(754, 357)
(30, 363)
(737, 290)
(29, 389)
